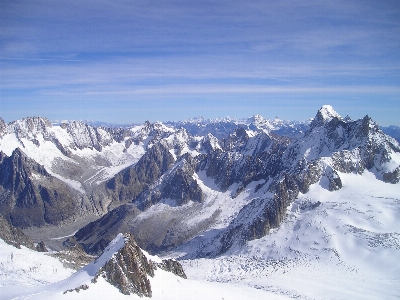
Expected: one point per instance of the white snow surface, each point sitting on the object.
(25, 267)
(328, 113)
(345, 247)
(165, 285)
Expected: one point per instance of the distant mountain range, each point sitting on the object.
(58, 174)
(199, 188)
(223, 126)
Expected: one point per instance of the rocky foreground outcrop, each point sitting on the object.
(15, 237)
(129, 269)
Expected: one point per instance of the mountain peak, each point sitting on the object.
(324, 115)
(328, 113)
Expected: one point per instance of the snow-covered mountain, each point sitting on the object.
(209, 202)
(220, 194)
(393, 131)
(343, 244)
(221, 128)
(75, 161)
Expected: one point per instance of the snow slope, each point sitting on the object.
(165, 285)
(332, 245)
(25, 267)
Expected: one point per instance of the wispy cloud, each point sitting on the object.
(84, 49)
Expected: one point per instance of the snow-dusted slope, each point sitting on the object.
(332, 245)
(75, 152)
(81, 285)
(27, 268)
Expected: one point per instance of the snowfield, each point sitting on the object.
(165, 285)
(332, 245)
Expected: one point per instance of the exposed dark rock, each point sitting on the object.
(172, 266)
(30, 196)
(41, 247)
(95, 236)
(14, 236)
(129, 183)
(3, 127)
(256, 219)
(177, 185)
(128, 270)
(244, 159)
(307, 205)
(335, 183)
(392, 177)
(83, 287)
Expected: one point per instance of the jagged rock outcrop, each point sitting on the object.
(243, 158)
(177, 186)
(41, 247)
(129, 183)
(172, 266)
(257, 218)
(129, 268)
(392, 177)
(30, 196)
(14, 236)
(85, 136)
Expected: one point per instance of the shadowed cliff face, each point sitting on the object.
(30, 196)
(129, 183)
(14, 236)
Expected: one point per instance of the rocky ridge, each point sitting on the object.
(30, 196)
(210, 191)
(129, 269)
(281, 168)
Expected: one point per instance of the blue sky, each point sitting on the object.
(127, 61)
